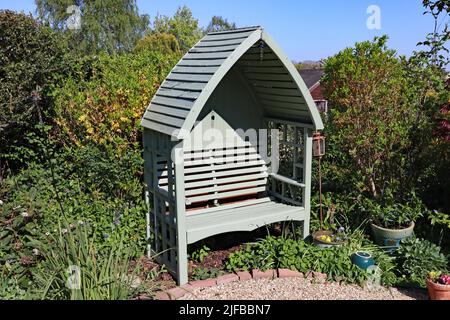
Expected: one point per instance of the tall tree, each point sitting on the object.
(182, 25)
(95, 25)
(219, 23)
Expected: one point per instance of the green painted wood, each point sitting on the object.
(182, 267)
(189, 86)
(210, 49)
(202, 63)
(174, 93)
(315, 115)
(189, 77)
(212, 44)
(307, 160)
(172, 102)
(182, 69)
(227, 36)
(248, 218)
(153, 116)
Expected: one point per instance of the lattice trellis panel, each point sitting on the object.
(160, 179)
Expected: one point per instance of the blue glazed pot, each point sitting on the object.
(362, 259)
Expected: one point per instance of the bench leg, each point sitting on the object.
(305, 228)
(182, 265)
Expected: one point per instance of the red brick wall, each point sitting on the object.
(317, 93)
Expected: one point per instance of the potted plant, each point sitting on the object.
(393, 221)
(438, 285)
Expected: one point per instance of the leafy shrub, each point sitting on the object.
(32, 60)
(104, 102)
(283, 252)
(200, 254)
(417, 257)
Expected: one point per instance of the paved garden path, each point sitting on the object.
(300, 289)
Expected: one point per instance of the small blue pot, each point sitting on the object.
(362, 259)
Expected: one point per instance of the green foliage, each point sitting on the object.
(104, 102)
(388, 213)
(158, 42)
(103, 275)
(417, 257)
(200, 254)
(206, 273)
(182, 25)
(105, 25)
(219, 23)
(284, 252)
(371, 115)
(32, 59)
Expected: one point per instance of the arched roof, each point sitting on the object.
(275, 82)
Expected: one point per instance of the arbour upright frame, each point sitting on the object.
(229, 81)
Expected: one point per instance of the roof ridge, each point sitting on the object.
(235, 30)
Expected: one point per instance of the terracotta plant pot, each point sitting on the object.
(390, 237)
(438, 291)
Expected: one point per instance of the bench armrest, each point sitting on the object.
(287, 180)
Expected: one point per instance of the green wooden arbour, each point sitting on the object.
(199, 186)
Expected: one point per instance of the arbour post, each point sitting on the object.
(180, 209)
(307, 159)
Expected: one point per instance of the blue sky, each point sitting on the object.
(306, 30)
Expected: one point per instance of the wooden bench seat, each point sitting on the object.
(242, 216)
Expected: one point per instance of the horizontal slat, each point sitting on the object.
(220, 43)
(158, 126)
(214, 49)
(208, 55)
(281, 92)
(282, 104)
(202, 63)
(173, 93)
(226, 194)
(287, 180)
(273, 97)
(226, 187)
(173, 102)
(208, 182)
(274, 84)
(256, 56)
(218, 153)
(182, 113)
(225, 166)
(227, 36)
(268, 76)
(222, 160)
(194, 86)
(174, 122)
(257, 50)
(286, 112)
(189, 77)
(181, 69)
(265, 70)
(237, 206)
(253, 63)
(208, 174)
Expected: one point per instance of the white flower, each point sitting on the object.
(25, 214)
(1, 202)
(80, 222)
(35, 252)
(64, 231)
(71, 226)
(47, 234)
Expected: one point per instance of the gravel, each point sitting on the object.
(300, 289)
